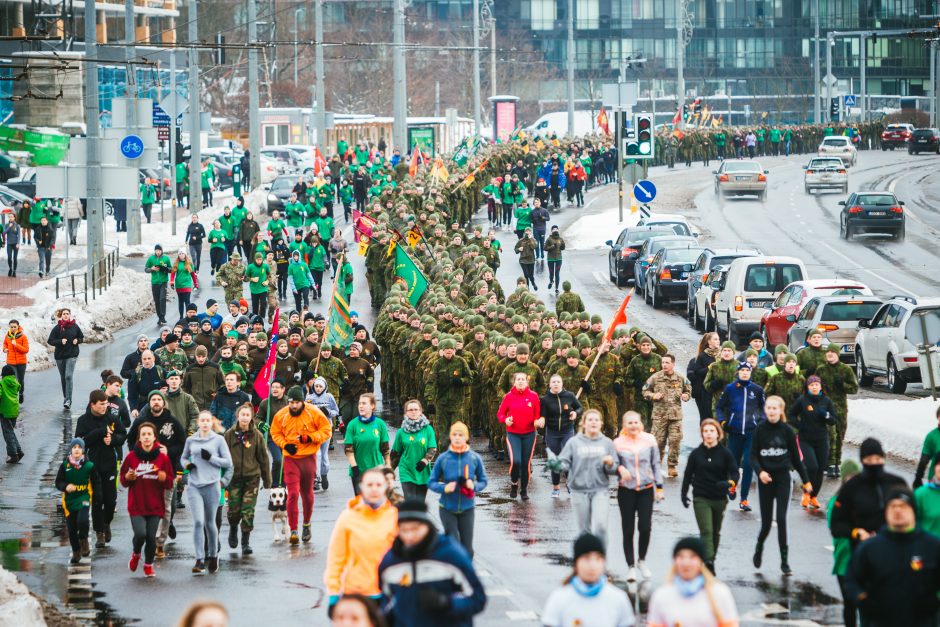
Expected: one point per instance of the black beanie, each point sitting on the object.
(691, 543)
(588, 543)
(870, 446)
(414, 509)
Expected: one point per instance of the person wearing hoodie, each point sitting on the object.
(227, 399)
(773, 452)
(739, 410)
(560, 410)
(207, 458)
(457, 475)
(16, 347)
(298, 273)
(590, 460)
(413, 452)
(756, 343)
(202, 379)
(9, 412)
(362, 535)
(320, 398)
(638, 453)
(553, 248)
(812, 415)
(842, 549)
(250, 468)
(78, 481)
(299, 429)
(146, 378)
(427, 579)
(181, 404)
(104, 436)
(113, 386)
(520, 412)
(539, 218)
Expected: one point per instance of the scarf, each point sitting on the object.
(462, 449)
(64, 324)
(712, 352)
(689, 589)
(413, 426)
(365, 420)
(76, 463)
(375, 505)
(588, 589)
(144, 456)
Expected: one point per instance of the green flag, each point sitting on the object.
(408, 272)
(339, 326)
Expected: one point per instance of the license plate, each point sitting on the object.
(742, 178)
(826, 177)
(878, 213)
(759, 303)
(848, 348)
(921, 141)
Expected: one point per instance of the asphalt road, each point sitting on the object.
(523, 550)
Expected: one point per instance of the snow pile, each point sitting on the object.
(17, 605)
(591, 231)
(899, 424)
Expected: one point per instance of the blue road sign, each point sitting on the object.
(132, 146)
(850, 100)
(644, 191)
(160, 117)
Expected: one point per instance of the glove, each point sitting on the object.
(586, 386)
(421, 465)
(205, 454)
(297, 377)
(331, 605)
(291, 449)
(685, 501)
(618, 388)
(355, 473)
(190, 466)
(432, 600)
(304, 439)
(554, 464)
(264, 427)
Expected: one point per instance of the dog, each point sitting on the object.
(277, 505)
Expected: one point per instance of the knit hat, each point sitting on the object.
(414, 510)
(522, 348)
(356, 345)
(756, 335)
(566, 285)
(781, 348)
(870, 446)
(588, 543)
(728, 344)
(460, 427)
(169, 339)
(157, 247)
(692, 544)
(816, 331)
(572, 353)
(900, 495)
(813, 379)
(77, 442)
(833, 348)
(751, 353)
(448, 343)
(790, 357)
(644, 339)
(7, 371)
(596, 319)
(210, 302)
(848, 467)
(310, 331)
(744, 366)
(295, 394)
(143, 336)
(261, 336)
(326, 346)
(202, 351)
(158, 393)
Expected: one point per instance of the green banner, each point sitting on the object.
(408, 272)
(339, 327)
(46, 148)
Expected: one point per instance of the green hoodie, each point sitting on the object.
(9, 397)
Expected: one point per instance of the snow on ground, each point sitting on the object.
(899, 424)
(592, 230)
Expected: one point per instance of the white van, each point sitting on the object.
(557, 122)
(751, 284)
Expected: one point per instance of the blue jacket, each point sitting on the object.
(444, 567)
(451, 466)
(545, 172)
(740, 407)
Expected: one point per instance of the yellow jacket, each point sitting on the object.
(361, 538)
(287, 429)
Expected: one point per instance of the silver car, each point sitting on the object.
(741, 177)
(825, 173)
(837, 317)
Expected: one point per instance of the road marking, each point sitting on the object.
(517, 615)
(499, 592)
(599, 276)
(871, 272)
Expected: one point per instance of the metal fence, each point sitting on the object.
(94, 280)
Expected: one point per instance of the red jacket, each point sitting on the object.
(145, 494)
(523, 407)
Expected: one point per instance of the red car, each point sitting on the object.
(896, 136)
(774, 324)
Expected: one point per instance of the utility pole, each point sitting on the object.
(570, 68)
(173, 156)
(320, 115)
(477, 112)
(935, 93)
(816, 110)
(680, 60)
(195, 132)
(130, 37)
(94, 207)
(493, 56)
(400, 96)
(863, 87)
(254, 125)
(829, 42)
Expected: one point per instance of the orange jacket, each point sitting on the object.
(361, 538)
(287, 429)
(16, 347)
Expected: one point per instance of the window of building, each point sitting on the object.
(544, 13)
(586, 14)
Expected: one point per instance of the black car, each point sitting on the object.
(8, 168)
(667, 277)
(878, 212)
(281, 189)
(924, 140)
(223, 173)
(709, 259)
(624, 251)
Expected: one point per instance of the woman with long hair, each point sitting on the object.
(519, 411)
(774, 451)
(246, 233)
(337, 246)
(12, 235)
(691, 595)
(65, 338)
(812, 414)
(217, 251)
(413, 450)
(356, 610)
(639, 454)
(708, 349)
(184, 280)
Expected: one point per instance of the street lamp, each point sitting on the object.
(297, 12)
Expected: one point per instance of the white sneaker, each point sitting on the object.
(644, 569)
(631, 574)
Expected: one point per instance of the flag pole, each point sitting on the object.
(329, 309)
(598, 355)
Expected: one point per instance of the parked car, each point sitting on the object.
(667, 277)
(839, 146)
(825, 173)
(305, 155)
(775, 322)
(924, 140)
(623, 252)
(10, 198)
(25, 183)
(837, 317)
(9, 168)
(288, 162)
(879, 212)
(703, 316)
(223, 173)
(649, 249)
(679, 225)
(280, 191)
(752, 284)
(741, 177)
(896, 136)
(706, 262)
(887, 344)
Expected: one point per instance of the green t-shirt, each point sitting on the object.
(239, 213)
(317, 258)
(228, 226)
(276, 228)
(931, 449)
(413, 447)
(366, 439)
(160, 272)
(254, 271)
(183, 279)
(927, 505)
(217, 238)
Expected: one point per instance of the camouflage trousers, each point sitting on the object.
(668, 432)
(644, 408)
(445, 415)
(836, 438)
(607, 405)
(242, 498)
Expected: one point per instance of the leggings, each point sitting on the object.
(195, 253)
(299, 475)
(459, 527)
(217, 257)
(554, 272)
(740, 446)
(555, 441)
(491, 211)
(77, 524)
(849, 610)
(317, 283)
(414, 491)
(66, 374)
(507, 213)
(520, 447)
(528, 271)
(104, 504)
(815, 457)
(259, 303)
(635, 504)
(777, 491)
(145, 535)
(182, 301)
(203, 505)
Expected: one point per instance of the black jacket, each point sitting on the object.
(696, 371)
(812, 416)
(67, 333)
(860, 503)
(894, 578)
(195, 233)
(170, 433)
(118, 408)
(708, 471)
(131, 361)
(774, 449)
(42, 235)
(555, 409)
(539, 217)
(93, 429)
(142, 383)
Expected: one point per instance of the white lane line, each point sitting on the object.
(600, 278)
(871, 272)
(519, 615)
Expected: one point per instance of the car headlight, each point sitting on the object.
(272, 198)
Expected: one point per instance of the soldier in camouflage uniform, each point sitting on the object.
(667, 390)
(813, 355)
(838, 381)
(521, 364)
(568, 301)
(607, 381)
(641, 368)
(573, 373)
(787, 384)
(171, 356)
(448, 388)
(230, 277)
(721, 372)
(331, 369)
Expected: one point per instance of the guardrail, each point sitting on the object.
(94, 280)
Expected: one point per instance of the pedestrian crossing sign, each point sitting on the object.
(850, 100)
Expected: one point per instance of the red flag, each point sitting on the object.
(363, 223)
(619, 318)
(266, 375)
(677, 118)
(319, 163)
(602, 121)
(413, 168)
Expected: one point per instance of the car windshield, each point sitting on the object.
(282, 183)
(835, 141)
(657, 246)
(923, 132)
(849, 311)
(771, 277)
(881, 200)
(636, 238)
(682, 255)
(896, 127)
(914, 331)
(741, 166)
(678, 228)
(721, 261)
(818, 164)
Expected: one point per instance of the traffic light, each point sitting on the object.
(220, 49)
(643, 123)
(834, 109)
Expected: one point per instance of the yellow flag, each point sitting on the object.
(539, 143)
(391, 248)
(363, 248)
(413, 238)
